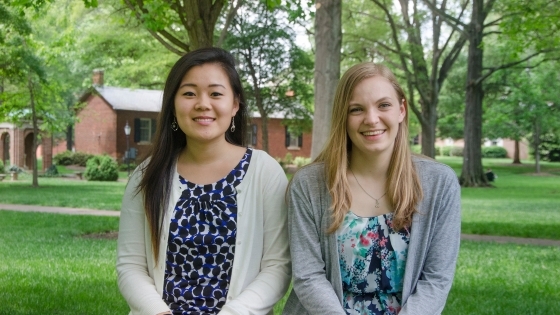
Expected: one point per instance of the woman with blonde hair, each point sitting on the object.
(373, 229)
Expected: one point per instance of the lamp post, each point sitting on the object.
(127, 133)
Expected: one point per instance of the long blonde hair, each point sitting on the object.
(403, 186)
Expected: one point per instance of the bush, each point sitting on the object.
(81, 158)
(445, 150)
(52, 171)
(15, 169)
(72, 158)
(64, 158)
(2, 170)
(288, 159)
(456, 151)
(300, 161)
(416, 148)
(123, 167)
(494, 152)
(101, 168)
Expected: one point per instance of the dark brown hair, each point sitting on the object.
(157, 174)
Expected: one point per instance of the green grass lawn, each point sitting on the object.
(49, 267)
(521, 204)
(63, 192)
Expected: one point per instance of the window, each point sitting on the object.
(144, 129)
(252, 135)
(293, 140)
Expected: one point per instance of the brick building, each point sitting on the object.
(16, 146)
(107, 110)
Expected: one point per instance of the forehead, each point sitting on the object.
(374, 88)
(208, 73)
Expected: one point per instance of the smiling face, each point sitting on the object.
(374, 114)
(205, 103)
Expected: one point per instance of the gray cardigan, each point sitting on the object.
(432, 251)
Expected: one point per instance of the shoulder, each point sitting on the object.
(262, 160)
(431, 170)
(310, 172)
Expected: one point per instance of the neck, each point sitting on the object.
(371, 166)
(205, 152)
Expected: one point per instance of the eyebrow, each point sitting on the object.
(385, 98)
(210, 85)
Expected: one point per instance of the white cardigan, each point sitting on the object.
(261, 269)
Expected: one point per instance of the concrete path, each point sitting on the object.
(468, 237)
(79, 211)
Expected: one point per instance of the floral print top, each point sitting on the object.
(372, 263)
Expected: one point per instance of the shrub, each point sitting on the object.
(416, 148)
(494, 152)
(456, 151)
(101, 168)
(15, 169)
(288, 159)
(2, 170)
(123, 167)
(64, 158)
(445, 150)
(81, 158)
(52, 171)
(300, 161)
(72, 158)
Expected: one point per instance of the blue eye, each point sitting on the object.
(355, 109)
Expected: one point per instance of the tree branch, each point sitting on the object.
(451, 21)
(229, 18)
(511, 64)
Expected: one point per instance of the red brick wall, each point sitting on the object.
(96, 130)
(122, 118)
(277, 139)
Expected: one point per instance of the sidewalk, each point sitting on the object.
(467, 237)
(78, 211)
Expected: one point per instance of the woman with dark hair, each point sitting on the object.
(203, 220)
(373, 229)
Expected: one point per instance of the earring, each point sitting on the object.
(232, 129)
(174, 125)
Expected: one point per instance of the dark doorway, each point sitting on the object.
(29, 151)
(5, 147)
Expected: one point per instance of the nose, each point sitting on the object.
(372, 117)
(202, 104)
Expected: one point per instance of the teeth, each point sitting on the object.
(203, 119)
(372, 133)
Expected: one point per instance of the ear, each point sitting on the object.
(403, 108)
(235, 107)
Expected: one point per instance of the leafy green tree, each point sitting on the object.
(276, 72)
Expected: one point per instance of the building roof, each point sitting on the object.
(132, 99)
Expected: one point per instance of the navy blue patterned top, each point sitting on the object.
(201, 244)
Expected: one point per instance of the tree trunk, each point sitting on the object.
(516, 159)
(35, 131)
(537, 144)
(69, 141)
(428, 141)
(328, 38)
(472, 173)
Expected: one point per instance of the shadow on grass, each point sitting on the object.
(541, 230)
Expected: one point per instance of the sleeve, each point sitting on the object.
(273, 279)
(437, 273)
(310, 283)
(135, 283)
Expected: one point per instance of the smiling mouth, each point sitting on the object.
(204, 119)
(373, 133)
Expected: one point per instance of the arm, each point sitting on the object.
(273, 279)
(135, 284)
(436, 277)
(310, 282)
